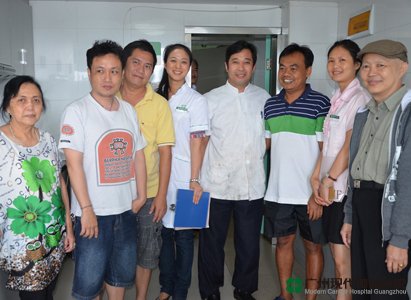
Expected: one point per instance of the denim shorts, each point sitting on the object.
(149, 238)
(110, 258)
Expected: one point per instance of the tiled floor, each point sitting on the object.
(268, 279)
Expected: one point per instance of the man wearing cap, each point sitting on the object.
(377, 224)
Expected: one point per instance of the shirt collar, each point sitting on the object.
(391, 102)
(348, 92)
(234, 89)
(183, 88)
(303, 95)
(148, 96)
(149, 93)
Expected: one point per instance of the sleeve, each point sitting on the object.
(348, 203)
(267, 130)
(72, 130)
(266, 123)
(165, 126)
(199, 115)
(322, 112)
(210, 114)
(360, 100)
(355, 140)
(400, 220)
(4, 149)
(59, 161)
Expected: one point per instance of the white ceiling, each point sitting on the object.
(232, 2)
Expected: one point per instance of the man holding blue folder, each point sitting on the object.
(233, 173)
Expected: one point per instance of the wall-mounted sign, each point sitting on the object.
(361, 23)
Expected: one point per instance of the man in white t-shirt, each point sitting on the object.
(103, 146)
(233, 173)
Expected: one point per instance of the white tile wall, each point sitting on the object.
(64, 30)
(314, 24)
(392, 21)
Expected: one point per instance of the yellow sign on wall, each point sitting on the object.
(361, 23)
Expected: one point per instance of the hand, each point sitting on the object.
(314, 210)
(324, 194)
(136, 205)
(89, 226)
(396, 259)
(198, 191)
(159, 208)
(315, 186)
(69, 241)
(324, 190)
(345, 232)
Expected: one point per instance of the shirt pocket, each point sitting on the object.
(181, 166)
(337, 133)
(218, 174)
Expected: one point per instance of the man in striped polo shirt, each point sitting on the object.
(294, 121)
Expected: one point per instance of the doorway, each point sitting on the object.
(209, 50)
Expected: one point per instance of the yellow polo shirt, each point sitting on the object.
(156, 124)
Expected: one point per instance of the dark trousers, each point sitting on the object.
(45, 294)
(247, 226)
(368, 252)
(176, 261)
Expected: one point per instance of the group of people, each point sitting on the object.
(337, 171)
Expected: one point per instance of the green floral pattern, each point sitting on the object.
(59, 212)
(39, 173)
(32, 240)
(29, 216)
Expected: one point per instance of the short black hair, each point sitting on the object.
(238, 47)
(101, 48)
(12, 88)
(349, 45)
(143, 45)
(304, 50)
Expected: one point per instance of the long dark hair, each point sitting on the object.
(164, 83)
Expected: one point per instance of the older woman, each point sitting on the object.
(33, 198)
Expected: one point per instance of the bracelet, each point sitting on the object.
(195, 180)
(330, 177)
(86, 206)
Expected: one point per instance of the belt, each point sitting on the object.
(363, 184)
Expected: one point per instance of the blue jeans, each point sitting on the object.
(110, 258)
(176, 261)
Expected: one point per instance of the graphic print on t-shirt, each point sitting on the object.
(114, 154)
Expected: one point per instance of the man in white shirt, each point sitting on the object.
(233, 173)
(103, 146)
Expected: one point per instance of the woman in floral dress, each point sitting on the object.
(35, 226)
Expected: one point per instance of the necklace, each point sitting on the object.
(19, 140)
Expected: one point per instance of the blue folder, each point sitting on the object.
(189, 215)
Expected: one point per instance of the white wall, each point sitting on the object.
(16, 32)
(314, 24)
(392, 21)
(64, 30)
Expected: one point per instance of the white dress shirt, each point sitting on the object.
(233, 167)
